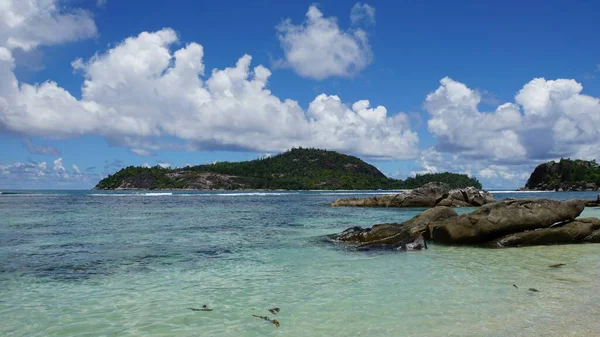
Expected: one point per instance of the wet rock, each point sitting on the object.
(594, 237)
(573, 232)
(498, 219)
(429, 195)
(403, 236)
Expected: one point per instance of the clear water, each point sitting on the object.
(87, 263)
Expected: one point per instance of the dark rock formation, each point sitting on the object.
(573, 232)
(502, 218)
(509, 223)
(594, 237)
(409, 235)
(429, 195)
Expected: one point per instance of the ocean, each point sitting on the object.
(90, 263)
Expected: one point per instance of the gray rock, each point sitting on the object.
(429, 195)
(395, 235)
(573, 232)
(495, 220)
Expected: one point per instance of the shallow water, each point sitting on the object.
(88, 263)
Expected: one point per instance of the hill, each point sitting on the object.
(296, 169)
(566, 175)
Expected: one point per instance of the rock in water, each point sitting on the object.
(573, 232)
(593, 238)
(495, 220)
(429, 195)
(409, 235)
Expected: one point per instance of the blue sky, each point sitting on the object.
(490, 88)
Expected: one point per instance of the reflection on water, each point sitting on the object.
(84, 265)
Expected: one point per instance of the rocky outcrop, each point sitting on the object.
(509, 223)
(502, 218)
(429, 195)
(573, 232)
(403, 236)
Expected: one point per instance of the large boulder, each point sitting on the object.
(429, 195)
(495, 220)
(395, 235)
(573, 232)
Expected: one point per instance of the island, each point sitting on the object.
(566, 175)
(295, 169)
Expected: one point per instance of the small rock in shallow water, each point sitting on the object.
(274, 311)
(272, 321)
(558, 265)
(514, 285)
(534, 290)
(204, 308)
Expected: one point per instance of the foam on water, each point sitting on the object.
(75, 265)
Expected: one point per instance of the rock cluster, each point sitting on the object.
(508, 223)
(429, 195)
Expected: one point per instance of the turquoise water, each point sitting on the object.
(84, 263)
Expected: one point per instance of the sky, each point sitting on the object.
(489, 88)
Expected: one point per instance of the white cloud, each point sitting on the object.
(58, 165)
(28, 24)
(39, 175)
(362, 14)
(101, 3)
(319, 49)
(141, 92)
(164, 165)
(146, 165)
(550, 118)
(76, 169)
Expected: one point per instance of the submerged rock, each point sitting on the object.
(429, 195)
(495, 220)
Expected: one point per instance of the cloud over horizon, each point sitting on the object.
(152, 92)
(319, 49)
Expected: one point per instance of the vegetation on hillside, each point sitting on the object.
(454, 180)
(567, 174)
(296, 169)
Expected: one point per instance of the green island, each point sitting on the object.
(296, 169)
(566, 175)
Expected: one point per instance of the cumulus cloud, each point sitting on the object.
(40, 175)
(28, 24)
(492, 176)
(362, 14)
(549, 119)
(318, 48)
(141, 92)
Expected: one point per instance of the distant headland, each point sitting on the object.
(566, 175)
(296, 169)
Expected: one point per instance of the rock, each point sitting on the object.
(406, 244)
(573, 232)
(495, 220)
(594, 237)
(403, 236)
(593, 203)
(429, 195)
